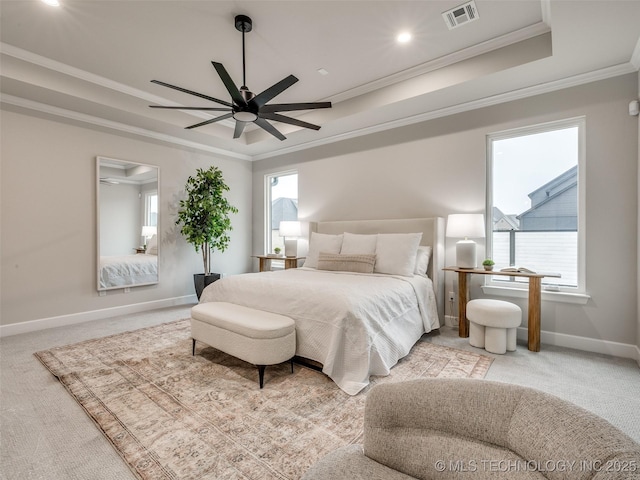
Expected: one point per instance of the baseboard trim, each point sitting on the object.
(451, 320)
(73, 318)
(586, 344)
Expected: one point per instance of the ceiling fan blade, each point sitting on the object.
(289, 107)
(239, 129)
(228, 83)
(292, 121)
(208, 109)
(261, 122)
(273, 90)
(184, 90)
(207, 122)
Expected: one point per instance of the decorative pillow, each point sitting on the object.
(353, 243)
(152, 246)
(321, 242)
(422, 260)
(396, 253)
(340, 262)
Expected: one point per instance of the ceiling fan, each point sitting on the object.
(246, 107)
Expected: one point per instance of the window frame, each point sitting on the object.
(268, 202)
(511, 288)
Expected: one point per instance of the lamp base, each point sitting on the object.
(466, 254)
(291, 247)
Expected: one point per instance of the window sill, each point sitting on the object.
(562, 297)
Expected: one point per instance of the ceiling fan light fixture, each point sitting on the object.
(246, 107)
(245, 116)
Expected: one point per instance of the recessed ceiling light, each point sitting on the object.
(322, 71)
(53, 3)
(404, 37)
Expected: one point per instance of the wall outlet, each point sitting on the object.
(452, 296)
(127, 290)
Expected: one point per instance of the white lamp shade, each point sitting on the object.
(290, 229)
(149, 231)
(464, 225)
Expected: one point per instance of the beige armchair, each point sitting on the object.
(463, 428)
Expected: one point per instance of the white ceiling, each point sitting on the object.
(92, 61)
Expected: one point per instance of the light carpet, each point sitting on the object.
(174, 416)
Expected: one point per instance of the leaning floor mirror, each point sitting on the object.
(127, 223)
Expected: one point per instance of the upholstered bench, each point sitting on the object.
(255, 336)
(492, 324)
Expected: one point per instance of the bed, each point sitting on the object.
(120, 271)
(354, 323)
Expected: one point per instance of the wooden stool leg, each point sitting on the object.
(261, 374)
(193, 347)
(291, 364)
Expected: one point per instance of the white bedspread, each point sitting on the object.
(123, 270)
(356, 325)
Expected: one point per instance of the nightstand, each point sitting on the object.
(265, 261)
(140, 249)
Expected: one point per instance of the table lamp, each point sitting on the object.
(148, 231)
(290, 230)
(465, 225)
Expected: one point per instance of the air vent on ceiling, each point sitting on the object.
(465, 13)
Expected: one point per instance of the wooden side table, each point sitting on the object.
(535, 300)
(265, 261)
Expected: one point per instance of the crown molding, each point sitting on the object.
(539, 89)
(121, 127)
(548, 87)
(64, 69)
(526, 33)
(635, 56)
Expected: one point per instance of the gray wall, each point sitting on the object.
(438, 167)
(48, 214)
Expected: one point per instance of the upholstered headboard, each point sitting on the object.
(432, 234)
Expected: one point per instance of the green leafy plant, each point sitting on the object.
(488, 263)
(277, 250)
(204, 214)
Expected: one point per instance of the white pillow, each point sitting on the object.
(321, 242)
(422, 260)
(396, 253)
(152, 246)
(359, 244)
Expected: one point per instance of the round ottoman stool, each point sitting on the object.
(492, 325)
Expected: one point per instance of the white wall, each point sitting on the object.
(48, 213)
(438, 167)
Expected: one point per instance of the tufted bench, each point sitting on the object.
(492, 324)
(255, 336)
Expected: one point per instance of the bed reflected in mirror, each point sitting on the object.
(127, 223)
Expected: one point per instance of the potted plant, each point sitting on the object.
(488, 264)
(204, 219)
(277, 250)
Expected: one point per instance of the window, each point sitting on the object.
(535, 203)
(281, 204)
(151, 209)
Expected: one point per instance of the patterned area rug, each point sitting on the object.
(174, 416)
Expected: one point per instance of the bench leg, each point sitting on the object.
(193, 347)
(261, 374)
(291, 364)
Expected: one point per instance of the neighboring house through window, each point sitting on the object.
(535, 196)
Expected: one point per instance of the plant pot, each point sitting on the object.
(200, 280)
(488, 268)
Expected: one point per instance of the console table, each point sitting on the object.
(265, 261)
(535, 300)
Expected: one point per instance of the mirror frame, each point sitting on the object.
(99, 160)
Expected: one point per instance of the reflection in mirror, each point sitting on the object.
(127, 221)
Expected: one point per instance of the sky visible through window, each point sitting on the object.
(523, 164)
(287, 187)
